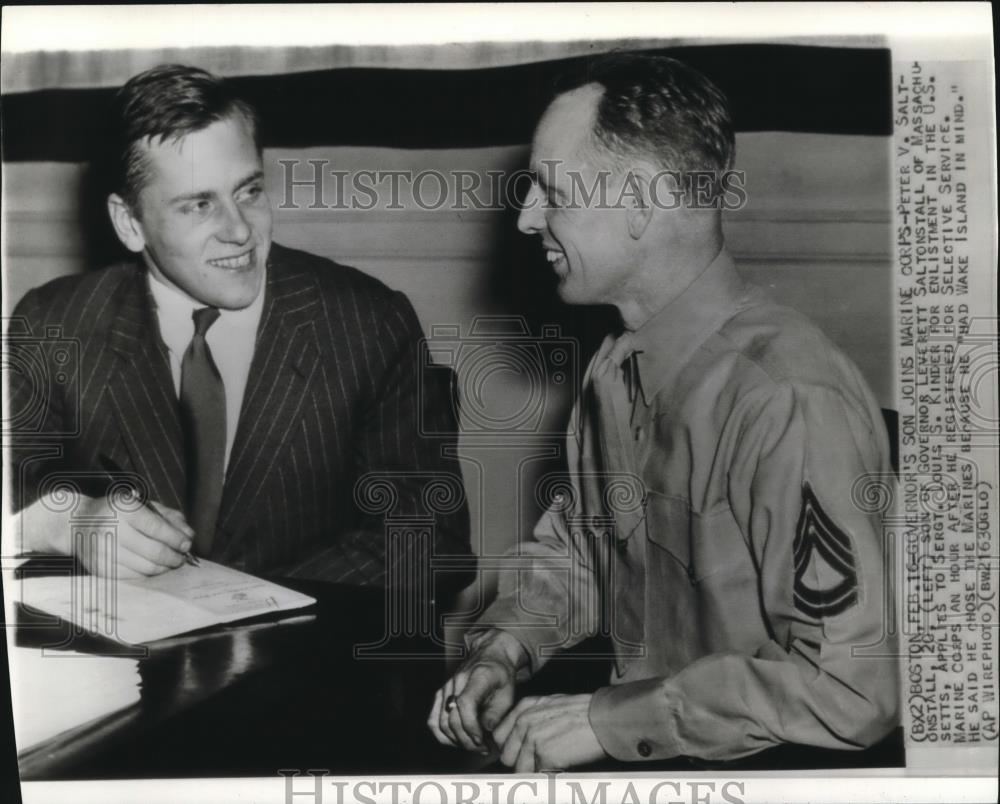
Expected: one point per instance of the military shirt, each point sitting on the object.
(723, 537)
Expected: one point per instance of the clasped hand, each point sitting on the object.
(539, 733)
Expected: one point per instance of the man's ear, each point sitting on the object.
(637, 199)
(126, 225)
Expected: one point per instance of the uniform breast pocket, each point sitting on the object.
(668, 527)
(703, 545)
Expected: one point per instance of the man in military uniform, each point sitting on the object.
(745, 580)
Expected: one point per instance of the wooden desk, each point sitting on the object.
(252, 698)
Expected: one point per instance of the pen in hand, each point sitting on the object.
(111, 468)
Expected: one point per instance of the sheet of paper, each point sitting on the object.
(224, 592)
(60, 690)
(181, 600)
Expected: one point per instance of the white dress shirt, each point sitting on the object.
(231, 339)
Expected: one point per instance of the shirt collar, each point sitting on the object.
(668, 339)
(174, 309)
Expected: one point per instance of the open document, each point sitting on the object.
(137, 611)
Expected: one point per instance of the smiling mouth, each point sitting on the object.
(236, 263)
(556, 258)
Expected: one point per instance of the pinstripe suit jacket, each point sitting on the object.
(333, 395)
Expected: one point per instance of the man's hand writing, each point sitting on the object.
(147, 541)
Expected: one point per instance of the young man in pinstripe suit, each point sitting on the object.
(313, 367)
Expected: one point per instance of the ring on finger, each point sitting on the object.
(450, 703)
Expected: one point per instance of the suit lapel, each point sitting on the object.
(141, 393)
(284, 361)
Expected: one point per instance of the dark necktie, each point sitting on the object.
(616, 392)
(630, 368)
(203, 412)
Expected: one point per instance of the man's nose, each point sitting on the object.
(531, 219)
(234, 227)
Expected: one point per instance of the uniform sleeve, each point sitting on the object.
(547, 594)
(828, 676)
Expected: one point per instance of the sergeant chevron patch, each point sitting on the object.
(824, 552)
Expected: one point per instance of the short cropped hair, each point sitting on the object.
(160, 105)
(658, 107)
